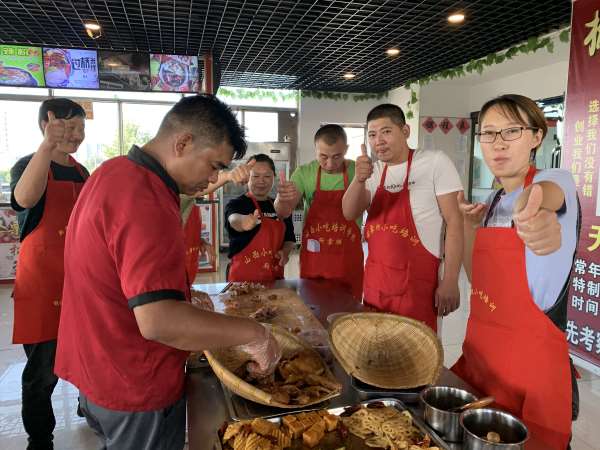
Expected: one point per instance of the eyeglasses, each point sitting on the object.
(507, 134)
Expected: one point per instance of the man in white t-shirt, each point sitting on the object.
(406, 217)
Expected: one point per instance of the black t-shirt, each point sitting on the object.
(28, 219)
(244, 205)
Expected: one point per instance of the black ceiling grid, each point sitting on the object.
(293, 44)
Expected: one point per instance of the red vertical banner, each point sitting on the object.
(582, 142)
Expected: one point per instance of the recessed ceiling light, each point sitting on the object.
(349, 76)
(456, 18)
(91, 26)
(392, 51)
(93, 29)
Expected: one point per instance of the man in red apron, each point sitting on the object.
(45, 186)
(259, 242)
(515, 348)
(410, 196)
(331, 245)
(127, 324)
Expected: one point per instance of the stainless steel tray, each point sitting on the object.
(368, 392)
(354, 442)
(241, 409)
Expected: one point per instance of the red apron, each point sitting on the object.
(40, 266)
(401, 275)
(512, 350)
(257, 261)
(337, 249)
(192, 233)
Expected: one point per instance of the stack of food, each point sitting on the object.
(301, 378)
(386, 427)
(245, 300)
(298, 380)
(375, 426)
(265, 435)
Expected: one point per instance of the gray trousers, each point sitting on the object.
(149, 430)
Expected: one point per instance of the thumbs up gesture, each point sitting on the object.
(286, 191)
(364, 165)
(250, 221)
(536, 226)
(241, 174)
(55, 132)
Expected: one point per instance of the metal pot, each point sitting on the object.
(477, 423)
(436, 401)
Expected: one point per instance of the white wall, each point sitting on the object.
(543, 82)
(400, 97)
(538, 75)
(314, 112)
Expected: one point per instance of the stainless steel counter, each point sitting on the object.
(207, 404)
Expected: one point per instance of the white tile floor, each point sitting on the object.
(73, 433)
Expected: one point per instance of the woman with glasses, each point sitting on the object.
(519, 251)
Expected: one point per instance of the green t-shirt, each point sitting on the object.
(305, 179)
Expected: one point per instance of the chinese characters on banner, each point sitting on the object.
(580, 157)
(9, 243)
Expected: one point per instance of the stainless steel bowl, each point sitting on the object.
(477, 423)
(436, 401)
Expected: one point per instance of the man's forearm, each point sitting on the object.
(469, 239)
(288, 246)
(453, 249)
(222, 180)
(356, 200)
(183, 326)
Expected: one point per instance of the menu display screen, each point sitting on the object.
(174, 73)
(21, 66)
(71, 68)
(124, 71)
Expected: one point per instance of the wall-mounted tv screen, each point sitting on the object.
(174, 73)
(124, 71)
(21, 66)
(71, 68)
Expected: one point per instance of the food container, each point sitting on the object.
(477, 423)
(367, 392)
(436, 401)
(332, 441)
(225, 361)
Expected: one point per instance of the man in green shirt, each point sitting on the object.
(331, 245)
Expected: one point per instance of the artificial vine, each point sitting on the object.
(532, 45)
(337, 96)
(257, 94)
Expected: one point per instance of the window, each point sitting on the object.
(101, 136)
(356, 137)
(261, 126)
(141, 122)
(19, 135)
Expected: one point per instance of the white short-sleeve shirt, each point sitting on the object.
(432, 173)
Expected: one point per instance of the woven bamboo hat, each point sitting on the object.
(225, 361)
(386, 350)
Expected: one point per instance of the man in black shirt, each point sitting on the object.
(259, 242)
